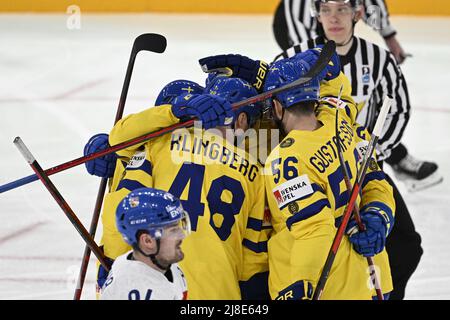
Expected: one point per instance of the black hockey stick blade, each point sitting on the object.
(150, 42)
(145, 42)
(323, 60)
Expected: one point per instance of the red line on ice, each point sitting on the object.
(82, 87)
(20, 232)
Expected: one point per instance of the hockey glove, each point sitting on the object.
(371, 241)
(312, 55)
(300, 290)
(212, 110)
(102, 274)
(235, 65)
(104, 166)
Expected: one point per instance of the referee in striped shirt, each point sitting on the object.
(294, 24)
(373, 73)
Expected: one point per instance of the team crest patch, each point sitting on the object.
(373, 164)
(287, 143)
(292, 190)
(293, 207)
(134, 202)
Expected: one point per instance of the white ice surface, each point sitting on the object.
(59, 86)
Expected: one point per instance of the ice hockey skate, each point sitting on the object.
(417, 174)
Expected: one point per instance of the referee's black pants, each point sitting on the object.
(403, 246)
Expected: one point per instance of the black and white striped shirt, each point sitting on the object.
(302, 26)
(373, 74)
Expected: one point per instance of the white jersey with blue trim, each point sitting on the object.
(134, 280)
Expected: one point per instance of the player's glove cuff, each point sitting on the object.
(235, 65)
(300, 290)
(383, 211)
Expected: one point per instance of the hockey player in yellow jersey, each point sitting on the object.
(220, 186)
(307, 195)
(113, 166)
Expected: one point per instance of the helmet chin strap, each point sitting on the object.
(152, 256)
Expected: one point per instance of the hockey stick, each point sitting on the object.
(60, 200)
(353, 196)
(324, 58)
(361, 226)
(145, 42)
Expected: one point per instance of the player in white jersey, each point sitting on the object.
(154, 223)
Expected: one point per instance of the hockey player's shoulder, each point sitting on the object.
(283, 149)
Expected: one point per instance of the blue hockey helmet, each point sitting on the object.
(286, 71)
(235, 90)
(149, 210)
(175, 88)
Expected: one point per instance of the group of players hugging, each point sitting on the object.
(198, 213)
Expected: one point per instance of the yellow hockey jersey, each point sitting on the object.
(221, 188)
(154, 118)
(307, 196)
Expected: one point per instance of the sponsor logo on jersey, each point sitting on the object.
(366, 74)
(137, 160)
(292, 190)
(278, 196)
(361, 147)
(287, 143)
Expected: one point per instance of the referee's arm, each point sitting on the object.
(392, 83)
(377, 17)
